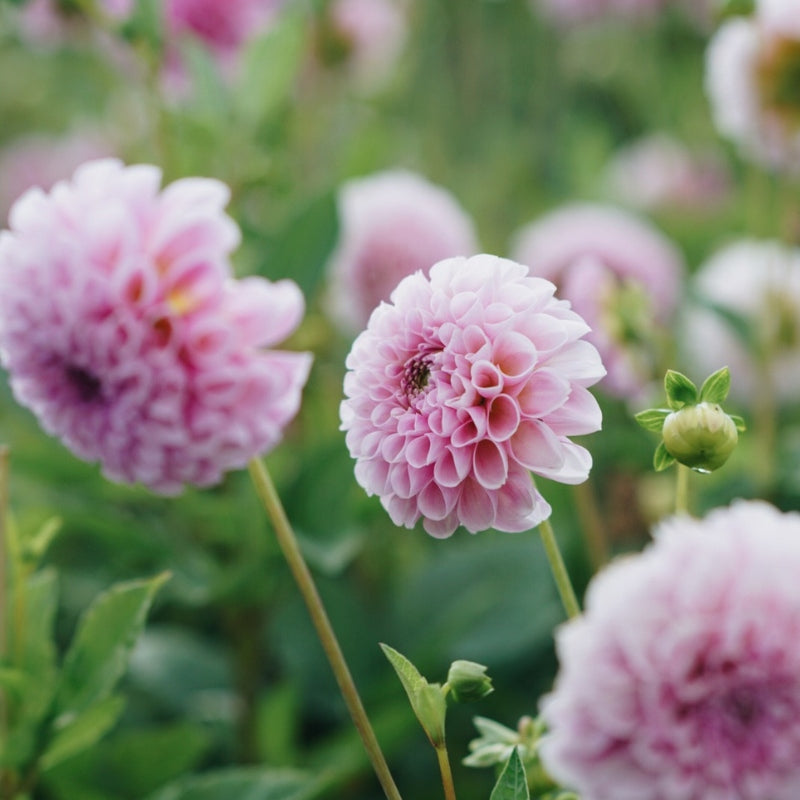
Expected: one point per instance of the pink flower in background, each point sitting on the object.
(123, 330)
(682, 677)
(751, 70)
(44, 22)
(657, 171)
(756, 283)
(460, 387)
(40, 160)
(373, 33)
(391, 224)
(620, 274)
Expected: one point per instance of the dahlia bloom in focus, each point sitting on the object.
(682, 677)
(460, 387)
(123, 330)
(391, 224)
(757, 282)
(751, 81)
(620, 274)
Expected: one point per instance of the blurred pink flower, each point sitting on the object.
(40, 160)
(391, 224)
(756, 282)
(569, 12)
(460, 387)
(373, 32)
(657, 171)
(620, 274)
(751, 69)
(682, 678)
(123, 330)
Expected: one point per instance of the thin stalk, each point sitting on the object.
(591, 521)
(3, 581)
(447, 774)
(291, 551)
(559, 570)
(682, 490)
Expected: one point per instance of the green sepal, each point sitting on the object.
(652, 419)
(716, 386)
(662, 459)
(427, 699)
(680, 390)
(738, 422)
(512, 783)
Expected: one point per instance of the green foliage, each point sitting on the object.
(512, 783)
(680, 390)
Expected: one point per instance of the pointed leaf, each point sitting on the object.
(652, 419)
(83, 731)
(662, 459)
(680, 390)
(512, 783)
(427, 699)
(716, 386)
(738, 422)
(98, 655)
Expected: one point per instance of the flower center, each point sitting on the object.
(415, 377)
(86, 386)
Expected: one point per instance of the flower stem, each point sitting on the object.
(4, 572)
(559, 570)
(288, 543)
(682, 490)
(447, 774)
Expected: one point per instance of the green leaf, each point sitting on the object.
(269, 67)
(716, 386)
(662, 459)
(427, 699)
(680, 390)
(82, 731)
(34, 547)
(98, 655)
(512, 783)
(738, 422)
(652, 419)
(239, 783)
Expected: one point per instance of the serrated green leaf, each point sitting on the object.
(239, 783)
(512, 783)
(427, 699)
(652, 419)
(82, 731)
(716, 386)
(680, 390)
(738, 422)
(100, 649)
(662, 459)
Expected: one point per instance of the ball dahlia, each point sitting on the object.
(681, 681)
(460, 387)
(123, 330)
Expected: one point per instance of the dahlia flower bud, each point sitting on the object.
(123, 330)
(460, 387)
(701, 436)
(695, 430)
(468, 681)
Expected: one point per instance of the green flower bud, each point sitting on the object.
(700, 436)
(468, 681)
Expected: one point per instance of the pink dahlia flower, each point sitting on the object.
(460, 387)
(123, 330)
(751, 69)
(681, 681)
(391, 224)
(620, 274)
(756, 282)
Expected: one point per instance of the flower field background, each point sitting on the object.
(513, 111)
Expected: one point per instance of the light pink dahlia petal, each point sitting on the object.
(450, 392)
(266, 313)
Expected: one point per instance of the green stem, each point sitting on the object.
(288, 543)
(682, 490)
(447, 774)
(591, 522)
(559, 570)
(3, 582)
